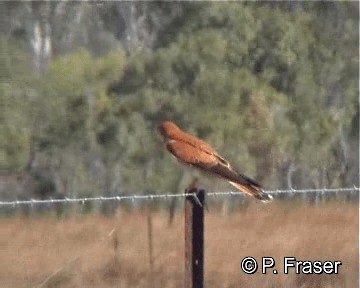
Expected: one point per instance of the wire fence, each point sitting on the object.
(150, 197)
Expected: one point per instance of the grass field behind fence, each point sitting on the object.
(99, 251)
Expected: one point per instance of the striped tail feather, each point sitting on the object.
(256, 192)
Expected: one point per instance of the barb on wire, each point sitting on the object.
(166, 196)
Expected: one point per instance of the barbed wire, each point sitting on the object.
(150, 197)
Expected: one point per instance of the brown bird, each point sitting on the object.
(195, 152)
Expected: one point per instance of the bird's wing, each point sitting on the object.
(208, 161)
(214, 164)
(191, 140)
(189, 154)
(224, 169)
(245, 184)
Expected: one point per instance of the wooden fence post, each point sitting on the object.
(194, 239)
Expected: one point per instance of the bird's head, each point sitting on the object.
(167, 129)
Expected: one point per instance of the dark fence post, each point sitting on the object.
(194, 239)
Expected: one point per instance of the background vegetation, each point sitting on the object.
(273, 86)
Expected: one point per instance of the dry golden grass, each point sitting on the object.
(96, 251)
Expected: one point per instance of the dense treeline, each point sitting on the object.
(273, 86)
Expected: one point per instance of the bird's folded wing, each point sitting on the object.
(193, 141)
(227, 172)
(207, 161)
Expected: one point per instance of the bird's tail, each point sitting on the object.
(252, 190)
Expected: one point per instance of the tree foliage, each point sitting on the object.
(269, 85)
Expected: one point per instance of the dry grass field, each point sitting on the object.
(99, 251)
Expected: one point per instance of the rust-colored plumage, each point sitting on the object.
(195, 152)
